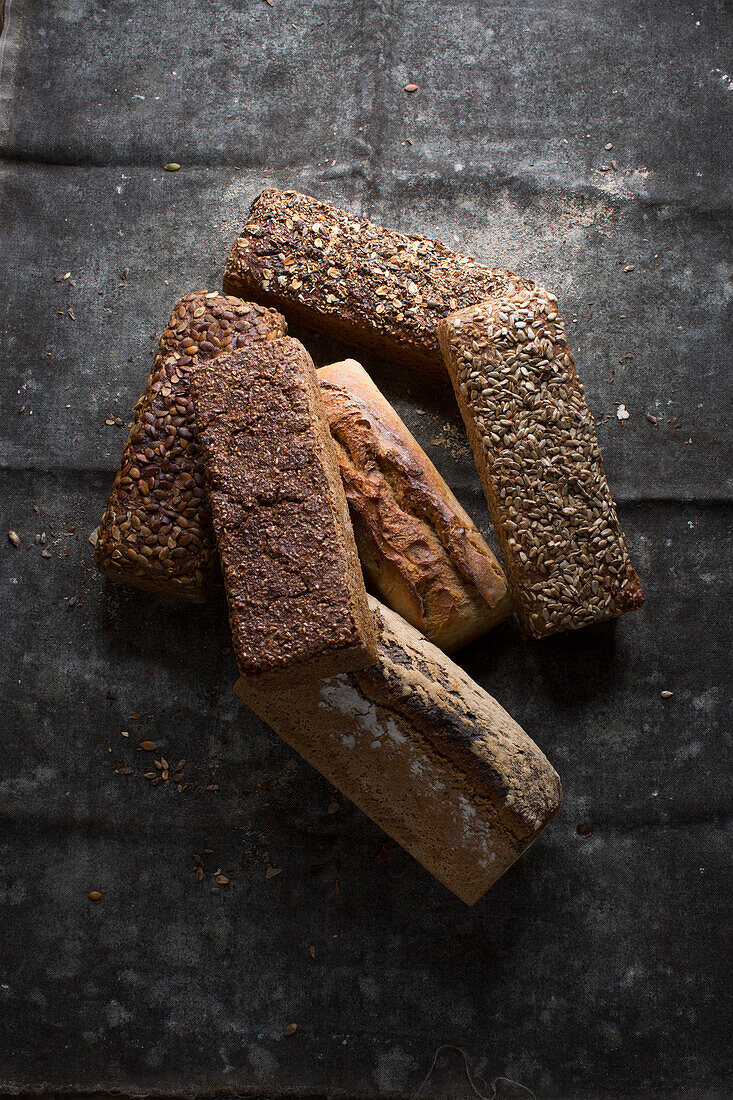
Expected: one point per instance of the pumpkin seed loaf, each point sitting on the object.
(297, 602)
(421, 551)
(537, 454)
(343, 275)
(156, 532)
(425, 752)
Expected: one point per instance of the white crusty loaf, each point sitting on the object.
(419, 548)
(425, 752)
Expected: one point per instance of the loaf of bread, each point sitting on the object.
(156, 532)
(347, 277)
(420, 550)
(425, 752)
(297, 602)
(536, 451)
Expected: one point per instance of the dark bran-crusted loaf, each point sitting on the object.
(537, 454)
(340, 274)
(156, 532)
(421, 551)
(426, 753)
(297, 602)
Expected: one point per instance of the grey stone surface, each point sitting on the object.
(596, 968)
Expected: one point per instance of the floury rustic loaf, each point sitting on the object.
(537, 454)
(156, 532)
(425, 752)
(297, 602)
(420, 550)
(343, 275)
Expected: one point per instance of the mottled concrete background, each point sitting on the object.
(596, 968)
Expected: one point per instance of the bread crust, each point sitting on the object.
(419, 548)
(537, 454)
(297, 603)
(156, 532)
(426, 753)
(345, 276)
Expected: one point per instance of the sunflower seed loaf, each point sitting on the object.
(156, 532)
(421, 551)
(425, 752)
(297, 602)
(537, 454)
(340, 274)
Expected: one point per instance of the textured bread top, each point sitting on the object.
(418, 546)
(426, 752)
(536, 450)
(295, 590)
(502, 766)
(344, 275)
(156, 532)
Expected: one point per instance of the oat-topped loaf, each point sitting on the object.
(297, 602)
(343, 275)
(156, 533)
(426, 753)
(536, 450)
(420, 550)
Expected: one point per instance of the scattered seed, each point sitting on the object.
(622, 413)
(608, 146)
(172, 167)
(667, 694)
(291, 1029)
(333, 807)
(312, 951)
(651, 418)
(94, 895)
(148, 746)
(630, 267)
(410, 87)
(222, 880)
(272, 871)
(14, 538)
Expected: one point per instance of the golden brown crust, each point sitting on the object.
(537, 454)
(156, 531)
(419, 548)
(426, 752)
(297, 604)
(343, 275)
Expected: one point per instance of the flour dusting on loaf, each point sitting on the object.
(425, 752)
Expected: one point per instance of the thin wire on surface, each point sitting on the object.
(464, 1055)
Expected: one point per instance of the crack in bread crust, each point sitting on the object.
(419, 548)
